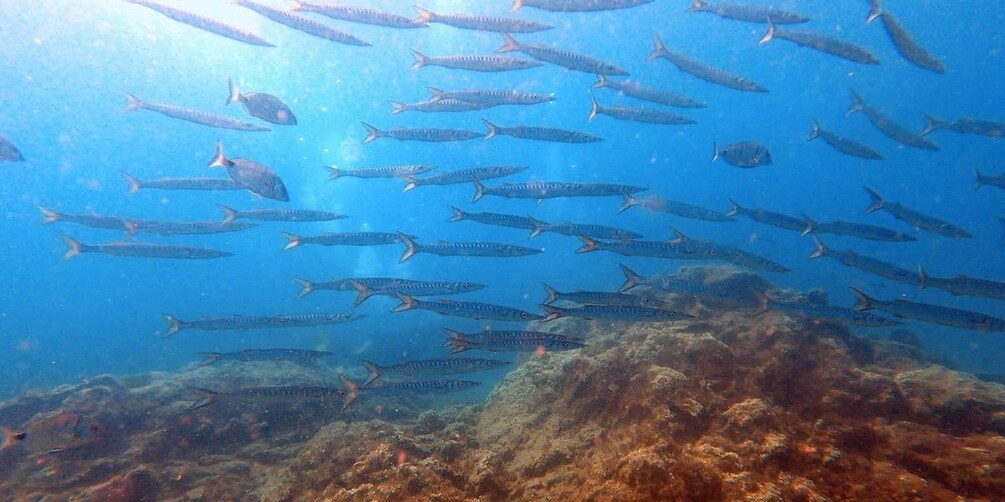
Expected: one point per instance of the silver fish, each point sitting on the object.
(243, 323)
(651, 94)
(419, 134)
(997, 180)
(231, 214)
(822, 43)
(561, 57)
(702, 70)
(358, 14)
(481, 23)
(88, 220)
(299, 356)
(914, 218)
(842, 144)
(636, 114)
(831, 312)
(906, 45)
(442, 248)
(935, 314)
(258, 178)
(751, 13)
(405, 171)
(745, 154)
(768, 217)
(887, 126)
(425, 367)
(204, 23)
(578, 5)
(614, 313)
(413, 288)
(511, 341)
(470, 310)
(599, 298)
(966, 125)
(343, 239)
(541, 190)
(301, 23)
(963, 285)
(866, 264)
(404, 388)
(264, 396)
(502, 220)
(463, 176)
(134, 227)
(490, 97)
(140, 250)
(858, 230)
(492, 63)
(354, 283)
(653, 249)
(439, 105)
(676, 208)
(634, 280)
(211, 184)
(9, 152)
(261, 105)
(584, 229)
(194, 116)
(540, 133)
(714, 250)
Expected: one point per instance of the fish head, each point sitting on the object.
(470, 286)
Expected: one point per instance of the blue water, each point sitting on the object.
(65, 65)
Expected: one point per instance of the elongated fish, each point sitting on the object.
(842, 144)
(702, 70)
(264, 396)
(745, 154)
(772, 218)
(906, 45)
(997, 180)
(966, 125)
(134, 227)
(750, 13)
(478, 248)
(963, 285)
(914, 218)
(737, 256)
(472, 62)
(8, 151)
(858, 230)
(413, 288)
(511, 341)
(497, 219)
(935, 314)
(231, 214)
(343, 239)
(651, 94)
(634, 280)
(481, 23)
(432, 135)
(823, 43)
(194, 116)
(585, 229)
(437, 106)
(462, 176)
(403, 388)
(614, 313)
(831, 312)
(353, 283)
(676, 208)
(358, 15)
(88, 220)
(258, 178)
(299, 356)
(699, 290)
(140, 250)
(261, 105)
(541, 190)
(540, 133)
(599, 298)
(887, 126)
(209, 184)
(653, 249)
(425, 367)
(205, 23)
(636, 114)
(578, 5)
(301, 23)
(866, 264)
(491, 97)
(470, 310)
(403, 171)
(561, 57)
(243, 323)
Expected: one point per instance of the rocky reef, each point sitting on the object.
(736, 406)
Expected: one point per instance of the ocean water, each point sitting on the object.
(66, 65)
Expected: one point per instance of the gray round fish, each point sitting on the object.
(256, 177)
(744, 154)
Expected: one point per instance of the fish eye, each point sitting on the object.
(466, 286)
(523, 315)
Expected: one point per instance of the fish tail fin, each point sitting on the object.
(372, 132)
(588, 244)
(493, 130)
(397, 107)
(407, 303)
(876, 201)
(373, 372)
(768, 35)
(679, 236)
(931, 123)
(131, 227)
(980, 181)
(420, 60)
(510, 44)
(11, 437)
(815, 132)
(229, 214)
(735, 209)
(48, 215)
(307, 287)
(821, 248)
(763, 305)
(659, 49)
(601, 81)
(410, 247)
(594, 107)
(810, 225)
(553, 312)
(425, 16)
(875, 10)
(479, 191)
(207, 397)
(632, 279)
(922, 276)
(235, 93)
(864, 301)
(209, 358)
(857, 104)
(715, 152)
(551, 292)
(517, 4)
(363, 291)
(134, 102)
(436, 93)
(352, 392)
(453, 334)
(628, 203)
(538, 227)
(134, 183)
(219, 159)
(75, 247)
(295, 240)
(458, 345)
(334, 172)
(410, 184)
(174, 325)
(458, 214)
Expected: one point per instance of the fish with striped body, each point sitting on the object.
(430, 135)
(437, 106)
(298, 356)
(540, 133)
(443, 248)
(510, 341)
(871, 265)
(914, 218)
(8, 151)
(614, 313)
(141, 250)
(634, 280)
(490, 97)
(636, 114)
(88, 220)
(578, 5)
(244, 323)
(302, 24)
(358, 15)
(823, 43)
(935, 314)
(561, 57)
(462, 176)
(585, 229)
(403, 171)
(888, 126)
(965, 125)
(256, 177)
(455, 366)
(857, 230)
(413, 288)
(963, 285)
(343, 239)
(134, 227)
(261, 105)
(997, 180)
(750, 13)
(207, 184)
(682, 209)
(714, 250)
(204, 23)
(500, 220)
(353, 283)
(194, 116)
(471, 310)
(778, 220)
(481, 23)
(830, 312)
(905, 43)
(599, 298)
(474, 62)
(403, 388)
(673, 250)
(264, 396)
(745, 154)
(653, 95)
(842, 144)
(702, 70)
(541, 190)
(291, 215)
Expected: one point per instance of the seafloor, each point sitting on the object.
(737, 406)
